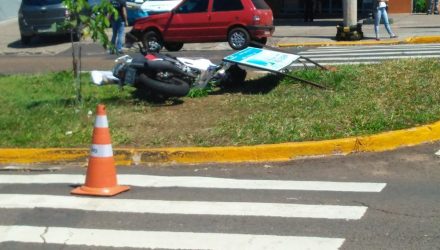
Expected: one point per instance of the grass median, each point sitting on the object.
(41, 111)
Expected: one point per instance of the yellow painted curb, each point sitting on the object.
(409, 40)
(423, 39)
(259, 153)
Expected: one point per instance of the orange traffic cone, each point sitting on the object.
(101, 171)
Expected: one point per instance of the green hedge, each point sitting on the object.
(420, 6)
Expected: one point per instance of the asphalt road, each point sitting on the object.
(94, 57)
(404, 215)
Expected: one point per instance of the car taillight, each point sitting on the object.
(256, 19)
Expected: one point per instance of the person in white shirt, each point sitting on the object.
(381, 12)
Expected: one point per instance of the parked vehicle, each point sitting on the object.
(142, 8)
(236, 21)
(134, 11)
(36, 17)
(159, 6)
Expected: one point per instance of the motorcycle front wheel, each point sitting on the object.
(173, 88)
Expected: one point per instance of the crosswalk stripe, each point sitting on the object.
(334, 63)
(379, 50)
(166, 240)
(201, 182)
(10, 201)
(337, 55)
(372, 58)
(373, 53)
(402, 46)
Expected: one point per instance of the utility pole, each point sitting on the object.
(350, 29)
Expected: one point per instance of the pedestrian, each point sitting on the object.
(435, 3)
(381, 12)
(308, 10)
(118, 25)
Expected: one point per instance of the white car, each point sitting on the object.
(159, 6)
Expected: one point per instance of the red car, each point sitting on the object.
(195, 21)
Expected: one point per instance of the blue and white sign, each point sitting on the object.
(262, 59)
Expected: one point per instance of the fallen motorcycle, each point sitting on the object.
(167, 76)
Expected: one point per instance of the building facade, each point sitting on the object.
(332, 8)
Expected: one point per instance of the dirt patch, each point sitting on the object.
(178, 124)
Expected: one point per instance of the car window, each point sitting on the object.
(261, 4)
(41, 2)
(222, 5)
(192, 6)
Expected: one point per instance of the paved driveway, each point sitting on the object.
(10, 42)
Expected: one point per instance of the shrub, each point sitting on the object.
(420, 6)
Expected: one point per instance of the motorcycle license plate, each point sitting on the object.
(130, 76)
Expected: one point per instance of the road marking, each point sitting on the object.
(12, 201)
(403, 46)
(366, 49)
(366, 53)
(201, 182)
(372, 58)
(163, 240)
(334, 63)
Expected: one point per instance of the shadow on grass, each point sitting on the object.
(141, 95)
(262, 85)
(69, 102)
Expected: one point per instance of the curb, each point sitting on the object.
(409, 40)
(259, 153)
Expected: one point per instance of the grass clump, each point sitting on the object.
(40, 110)
(366, 99)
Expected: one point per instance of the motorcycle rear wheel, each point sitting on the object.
(174, 88)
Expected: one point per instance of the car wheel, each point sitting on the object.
(238, 38)
(173, 46)
(152, 41)
(25, 40)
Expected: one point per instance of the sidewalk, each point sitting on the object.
(322, 32)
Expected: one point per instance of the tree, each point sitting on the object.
(84, 21)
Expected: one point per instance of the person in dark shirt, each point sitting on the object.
(118, 25)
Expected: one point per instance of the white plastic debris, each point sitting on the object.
(103, 77)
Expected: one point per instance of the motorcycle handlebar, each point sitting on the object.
(130, 39)
(131, 36)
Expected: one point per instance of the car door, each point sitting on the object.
(224, 14)
(189, 22)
